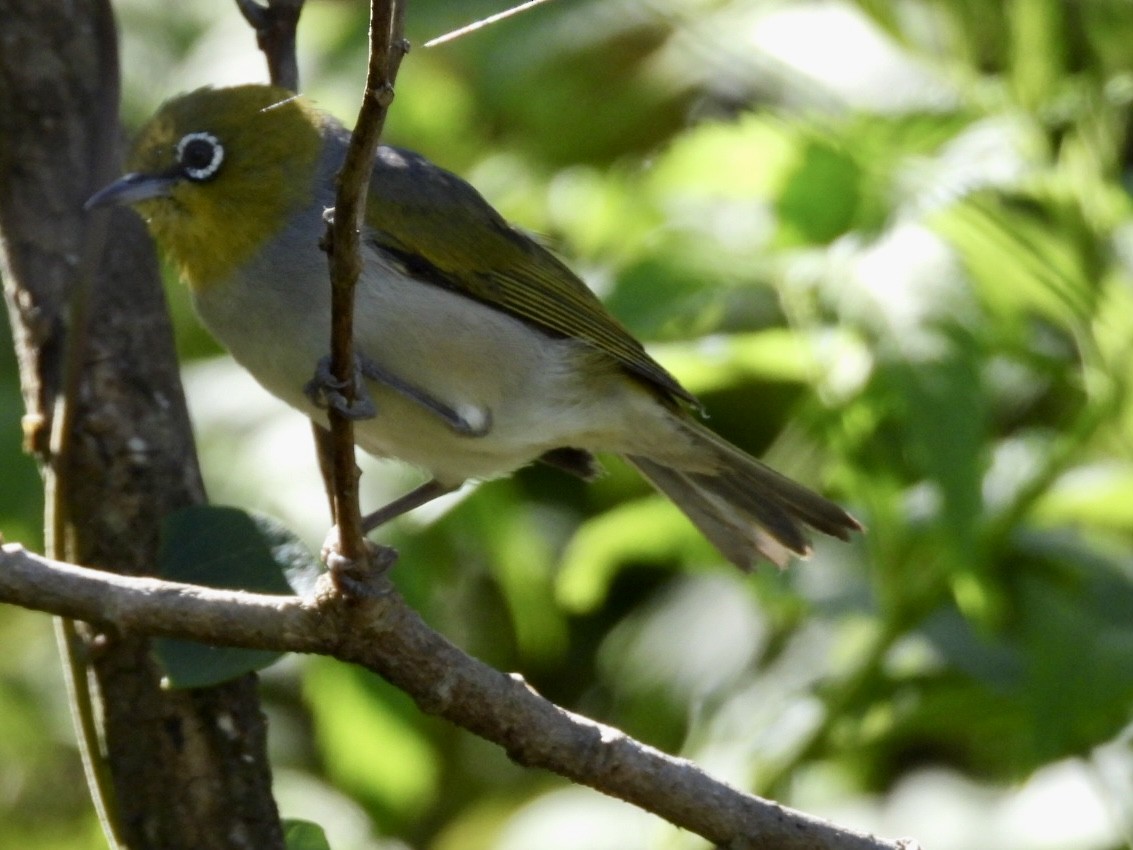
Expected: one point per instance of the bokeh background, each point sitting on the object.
(890, 245)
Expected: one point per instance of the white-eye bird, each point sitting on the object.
(481, 351)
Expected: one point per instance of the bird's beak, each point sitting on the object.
(130, 189)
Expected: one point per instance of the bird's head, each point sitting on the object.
(217, 172)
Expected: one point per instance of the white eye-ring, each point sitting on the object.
(200, 155)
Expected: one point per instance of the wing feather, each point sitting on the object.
(444, 232)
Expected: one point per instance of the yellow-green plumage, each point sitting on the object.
(471, 247)
(480, 255)
(483, 352)
(210, 233)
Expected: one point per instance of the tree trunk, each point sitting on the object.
(188, 768)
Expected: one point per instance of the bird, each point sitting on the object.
(479, 350)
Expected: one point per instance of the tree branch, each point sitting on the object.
(343, 243)
(275, 25)
(382, 633)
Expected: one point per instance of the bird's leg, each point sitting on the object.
(324, 390)
(415, 498)
(386, 555)
(360, 578)
(475, 422)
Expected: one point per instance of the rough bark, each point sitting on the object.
(379, 631)
(188, 768)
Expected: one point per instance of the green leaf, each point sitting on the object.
(229, 549)
(732, 360)
(226, 547)
(944, 422)
(820, 197)
(742, 160)
(1079, 649)
(646, 530)
(1021, 262)
(304, 835)
(1054, 682)
(1038, 29)
(369, 745)
(656, 297)
(1100, 495)
(519, 549)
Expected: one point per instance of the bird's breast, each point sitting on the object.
(537, 392)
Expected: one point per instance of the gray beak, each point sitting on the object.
(130, 189)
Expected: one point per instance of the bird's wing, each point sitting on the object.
(444, 232)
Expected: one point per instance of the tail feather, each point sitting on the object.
(739, 540)
(733, 492)
(751, 482)
(745, 508)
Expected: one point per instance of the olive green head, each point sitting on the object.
(217, 172)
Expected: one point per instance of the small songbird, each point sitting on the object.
(480, 351)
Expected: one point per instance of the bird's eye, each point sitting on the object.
(200, 156)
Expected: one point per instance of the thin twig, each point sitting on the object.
(275, 25)
(387, 47)
(382, 633)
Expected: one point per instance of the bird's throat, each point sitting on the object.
(207, 247)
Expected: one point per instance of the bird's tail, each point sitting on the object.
(745, 508)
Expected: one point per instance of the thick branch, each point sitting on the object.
(383, 634)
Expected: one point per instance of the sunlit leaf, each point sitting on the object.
(1022, 265)
(714, 363)
(304, 835)
(368, 746)
(1100, 496)
(744, 160)
(819, 198)
(649, 530)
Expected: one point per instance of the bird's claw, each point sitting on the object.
(325, 391)
(357, 577)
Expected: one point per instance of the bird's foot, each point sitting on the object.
(358, 577)
(325, 391)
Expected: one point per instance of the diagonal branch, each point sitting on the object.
(382, 633)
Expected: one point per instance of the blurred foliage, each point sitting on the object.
(890, 244)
